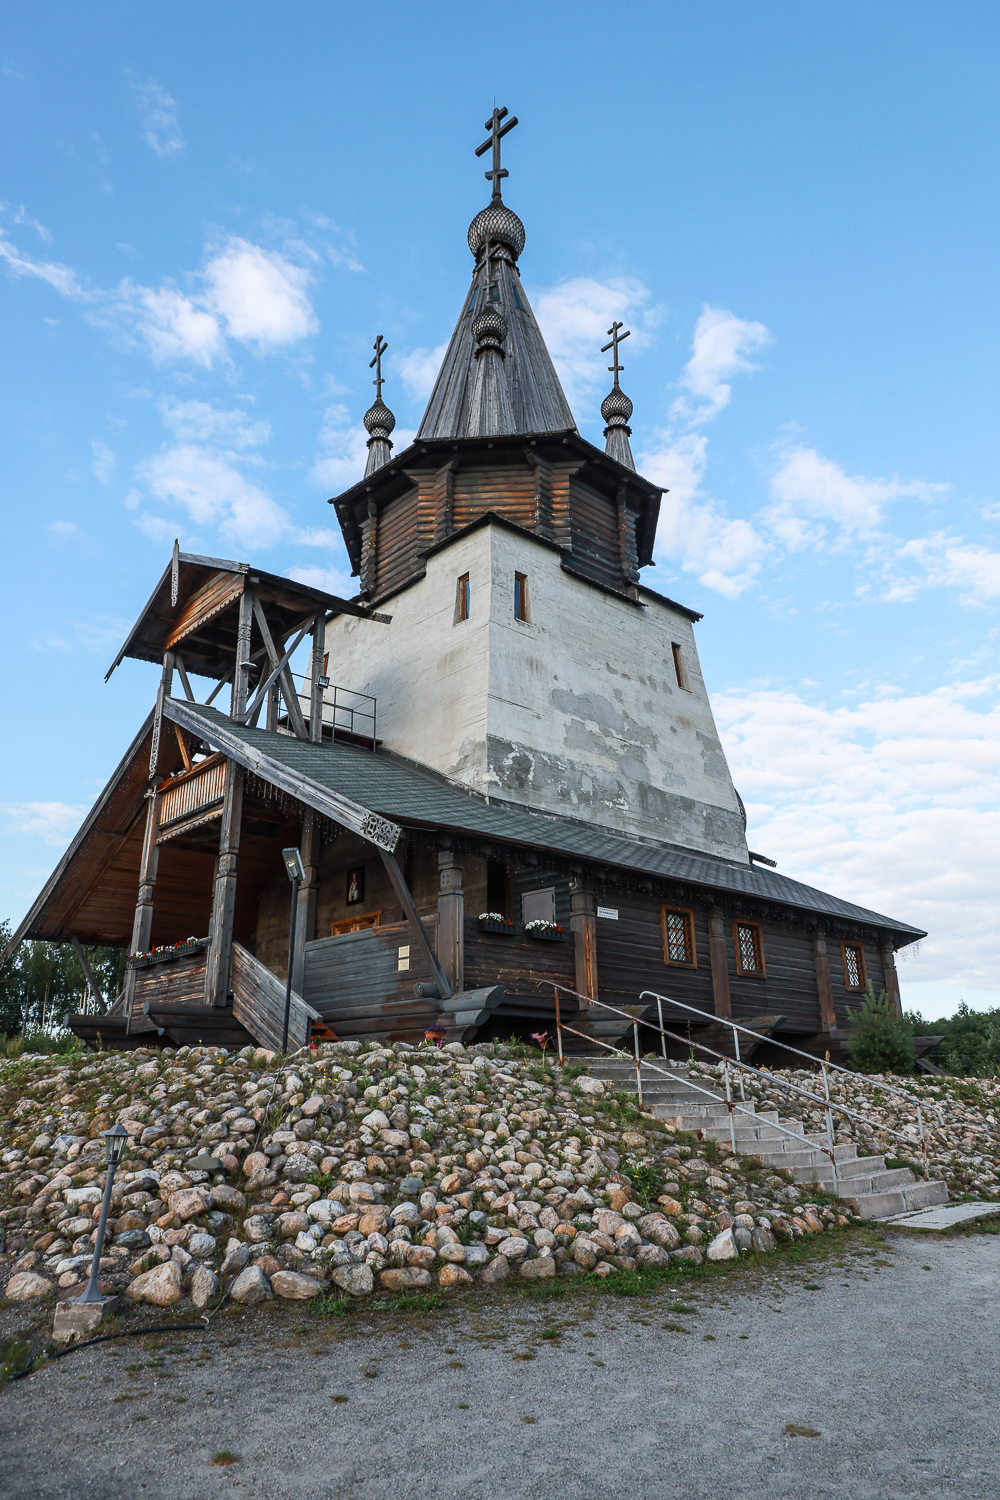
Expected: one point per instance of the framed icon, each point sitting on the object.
(356, 886)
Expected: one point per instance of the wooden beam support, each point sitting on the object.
(220, 948)
(402, 890)
(720, 964)
(284, 675)
(305, 919)
(827, 1013)
(583, 925)
(92, 984)
(182, 674)
(315, 676)
(241, 669)
(891, 976)
(451, 920)
(162, 694)
(182, 746)
(217, 690)
(142, 924)
(277, 668)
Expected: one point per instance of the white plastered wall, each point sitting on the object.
(576, 710)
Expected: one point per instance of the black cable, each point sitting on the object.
(104, 1338)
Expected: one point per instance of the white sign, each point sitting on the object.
(611, 912)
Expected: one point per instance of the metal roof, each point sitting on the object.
(415, 796)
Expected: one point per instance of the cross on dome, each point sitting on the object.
(497, 133)
(616, 339)
(380, 346)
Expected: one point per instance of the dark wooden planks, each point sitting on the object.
(180, 981)
(630, 958)
(259, 1003)
(215, 595)
(355, 983)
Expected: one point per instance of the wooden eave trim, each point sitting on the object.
(604, 588)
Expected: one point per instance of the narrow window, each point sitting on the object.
(749, 950)
(680, 667)
(678, 936)
(520, 597)
(463, 606)
(855, 977)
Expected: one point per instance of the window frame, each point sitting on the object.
(688, 915)
(524, 618)
(758, 930)
(680, 667)
(862, 967)
(463, 599)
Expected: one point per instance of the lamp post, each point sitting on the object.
(296, 872)
(114, 1145)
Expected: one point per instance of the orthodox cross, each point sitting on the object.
(616, 339)
(497, 133)
(376, 364)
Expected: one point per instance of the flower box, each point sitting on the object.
(496, 925)
(544, 932)
(166, 955)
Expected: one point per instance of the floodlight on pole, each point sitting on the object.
(115, 1141)
(296, 872)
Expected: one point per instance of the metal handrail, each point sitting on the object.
(743, 1067)
(735, 1027)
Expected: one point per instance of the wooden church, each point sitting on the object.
(501, 770)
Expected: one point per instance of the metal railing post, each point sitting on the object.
(739, 1064)
(638, 1062)
(729, 1105)
(829, 1126)
(663, 1034)
(558, 1028)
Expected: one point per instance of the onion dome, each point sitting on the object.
(489, 330)
(499, 224)
(379, 421)
(616, 409)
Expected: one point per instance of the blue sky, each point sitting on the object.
(207, 213)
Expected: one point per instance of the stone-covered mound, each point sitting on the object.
(347, 1168)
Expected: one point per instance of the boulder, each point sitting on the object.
(237, 1256)
(230, 1199)
(204, 1286)
(652, 1256)
(587, 1085)
(295, 1287)
(404, 1279)
(250, 1286)
(201, 1246)
(538, 1270)
(723, 1247)
(161, 1286)
(763, 1241)
(26, 1286)
(356, 1280)
(663, 1234)
(453, 1275)
(498, 1269)
(188, 1203)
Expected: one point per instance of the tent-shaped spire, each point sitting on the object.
(513, 392)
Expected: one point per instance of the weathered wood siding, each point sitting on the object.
(630, 957)
(181, 981)
(594, 531)
(843, 997)
(355, 983)
(520, 964)
(509, 492)
(259, 1003)
(398, 542)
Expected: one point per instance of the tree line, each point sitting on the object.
(44, 983)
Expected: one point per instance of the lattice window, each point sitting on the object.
(749, 950)
(855, 977)
(678, 936)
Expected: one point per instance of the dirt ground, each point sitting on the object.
(869, 1370)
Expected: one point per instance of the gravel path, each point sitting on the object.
(889, 1369)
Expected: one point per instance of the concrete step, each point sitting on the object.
(901, 1200)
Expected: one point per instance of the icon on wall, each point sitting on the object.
(356, 886)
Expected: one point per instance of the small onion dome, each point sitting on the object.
(499, 224)
(489, 330)
(616, 408)
(379, 420)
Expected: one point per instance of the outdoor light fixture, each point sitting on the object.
(324, 682)
(115, 1141)
(296, 872)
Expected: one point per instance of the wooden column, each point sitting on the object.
(827, 1013)
(166, 683)
(241, 671)
(891, 976)
(451, 920)
(720, 964)
(315, 676)
(142, 925)
(220, 946)
(305, 918)
(583, 925)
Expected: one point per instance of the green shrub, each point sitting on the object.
(881, 1040)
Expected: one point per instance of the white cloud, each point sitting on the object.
(891, 803)
(94, 635)
(726, 554)
(104, 461)
(173, 325)
(63, 529)
(949, 562)
(214, 495)
(260, 295)
(23, 217)
(419, 370)
(58, 276)
(808, 491)
(344, 450)
(718, 352)
(199, 422)
(52, 822)
(158, 118)
(575, 317)
(334, 581)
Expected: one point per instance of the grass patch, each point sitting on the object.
(337, 1400)
(223, 1458)
(15, 1357)
(794, 1431)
